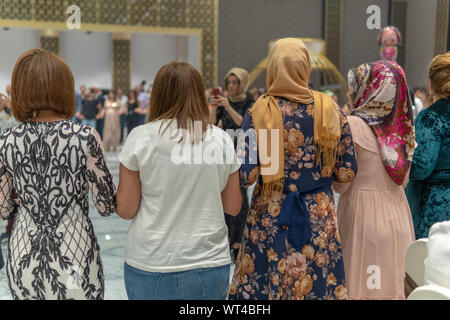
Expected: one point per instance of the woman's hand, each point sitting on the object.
(128, 196)
(220, 101)
(140, 111)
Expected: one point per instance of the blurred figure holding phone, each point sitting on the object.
(228, 113)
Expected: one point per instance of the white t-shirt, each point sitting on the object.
(180, 224)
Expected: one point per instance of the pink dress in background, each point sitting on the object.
(111, 131)
(375, 223)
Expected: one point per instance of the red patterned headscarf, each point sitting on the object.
(381, 99)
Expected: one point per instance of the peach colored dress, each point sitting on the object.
(375, 223)
(111, 131)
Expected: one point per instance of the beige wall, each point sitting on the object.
(246, 27)
(360, 44)
(421, 24)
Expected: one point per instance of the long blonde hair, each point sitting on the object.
(179, 93)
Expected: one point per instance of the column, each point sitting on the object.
(121, 61)
(50, 40)
(441, 32)
(399, 11)
(334, 15)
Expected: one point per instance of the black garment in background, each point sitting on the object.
(235, 224)
(100, 123)
(123, 124)
(133, 118)
(89, 109)
(240, 107)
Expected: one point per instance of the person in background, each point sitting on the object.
(345, 109)
(83, 91)
(144, 99)
(373, 213)
(8, 91)
(100, 117)
(123, 112)
(429, 187)
(252, 93)
(89, 110)
(7, 120)
(291, 248)
(135, 111)
(79, 96)
(230, 112)
(8, 95)
(78, 105)
(111, 130)
(53, 251)
(177, 241)
(422, 98)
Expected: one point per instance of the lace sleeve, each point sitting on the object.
(7, 206)
(99, 177)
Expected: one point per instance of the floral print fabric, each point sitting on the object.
(268, 266)
(381, 98)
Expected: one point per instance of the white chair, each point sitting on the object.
(415, 261)
(430, 292)
(433, 271)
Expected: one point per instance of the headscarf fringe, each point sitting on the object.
(326, 149)
(273, 187)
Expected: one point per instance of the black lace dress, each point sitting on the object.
(53, 252)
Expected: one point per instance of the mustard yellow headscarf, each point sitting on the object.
(288, 73)
(242, 75)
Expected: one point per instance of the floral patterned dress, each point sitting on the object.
(53, 252)
(269, 267)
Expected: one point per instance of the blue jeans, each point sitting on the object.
(90, 122)
(197, 284)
